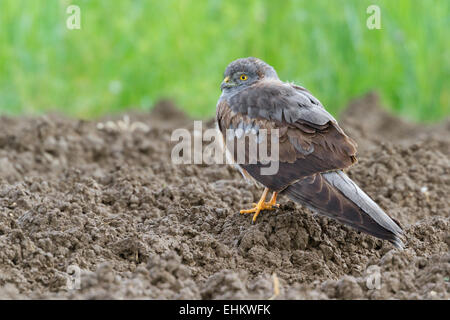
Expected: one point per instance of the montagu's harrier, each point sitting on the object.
(313, 149)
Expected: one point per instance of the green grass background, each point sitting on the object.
(129, 54)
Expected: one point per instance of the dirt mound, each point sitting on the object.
(103, 205)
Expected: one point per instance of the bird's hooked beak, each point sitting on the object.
(226, 83)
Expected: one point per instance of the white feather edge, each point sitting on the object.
(351, 190)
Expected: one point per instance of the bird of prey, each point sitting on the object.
(313, 149)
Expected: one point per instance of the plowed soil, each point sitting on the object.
(105, 205)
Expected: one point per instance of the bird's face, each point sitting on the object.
(238, 79)
(244, 72)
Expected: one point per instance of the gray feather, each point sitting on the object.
(342, 182)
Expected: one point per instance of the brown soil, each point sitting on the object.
(112, 203)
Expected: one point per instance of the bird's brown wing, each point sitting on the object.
(310, 140)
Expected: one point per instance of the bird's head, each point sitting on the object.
(244, 72)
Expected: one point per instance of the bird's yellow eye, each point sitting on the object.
(243, 77)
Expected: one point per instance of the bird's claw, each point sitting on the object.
(258, 207)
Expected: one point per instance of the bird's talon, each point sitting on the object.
(262, 205)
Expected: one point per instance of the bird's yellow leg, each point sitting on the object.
(262, 205)
(273, 200)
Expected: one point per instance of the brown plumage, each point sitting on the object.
(313, 149)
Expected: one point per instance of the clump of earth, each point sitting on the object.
(97, 210)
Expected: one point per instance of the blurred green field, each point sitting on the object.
(129, 54)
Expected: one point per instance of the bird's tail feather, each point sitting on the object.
(335, 195)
